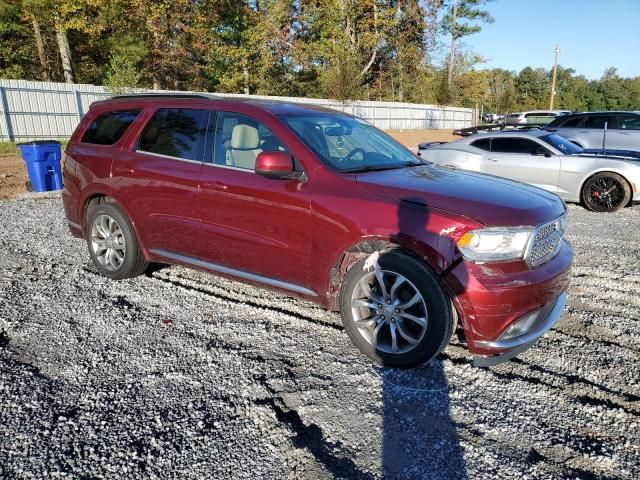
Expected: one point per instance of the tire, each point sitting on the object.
(605, 192)
(112, 243)
(361, 322)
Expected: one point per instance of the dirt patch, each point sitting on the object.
(13, 176)
(411, 138)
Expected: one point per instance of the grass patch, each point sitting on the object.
(9, 148)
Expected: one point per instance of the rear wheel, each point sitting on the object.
(112, 243)
(396, 313)
(606, 192)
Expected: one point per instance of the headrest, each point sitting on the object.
(245, 137)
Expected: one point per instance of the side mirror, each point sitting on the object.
(275, 165)
(541, 152)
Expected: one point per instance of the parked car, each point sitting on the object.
(546, 160)
(533, 117)
(492, 117)
(320, 205)
(587, 130)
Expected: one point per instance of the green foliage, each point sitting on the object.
(122, 75)
(17, 51)
(345, 49)
(464, 10)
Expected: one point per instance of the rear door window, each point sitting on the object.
(175, 132)
(513, 145)
(598, 121)
(572, 122)
(109, 127)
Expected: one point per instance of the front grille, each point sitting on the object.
(546, 242)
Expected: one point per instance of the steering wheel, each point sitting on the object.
(352, 153)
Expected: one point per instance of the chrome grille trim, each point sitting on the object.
(545, 241)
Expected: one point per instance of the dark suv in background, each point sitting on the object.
(587, 130)
(324, 206)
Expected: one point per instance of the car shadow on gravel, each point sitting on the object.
(419, 436)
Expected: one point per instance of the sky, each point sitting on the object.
(592, 34)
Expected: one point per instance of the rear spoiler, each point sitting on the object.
(425, 145)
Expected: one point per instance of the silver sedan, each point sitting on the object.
(600, 183)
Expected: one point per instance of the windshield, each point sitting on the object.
(349, 144)
(562, 144)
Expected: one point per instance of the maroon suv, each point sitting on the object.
(321, 205)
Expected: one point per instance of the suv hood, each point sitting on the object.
(490, 200)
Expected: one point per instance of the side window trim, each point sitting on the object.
(210, 137)
(200, 143)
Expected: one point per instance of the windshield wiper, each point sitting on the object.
(377, 168)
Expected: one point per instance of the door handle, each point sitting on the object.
(493, 159)
(214, 185)
(121, 169)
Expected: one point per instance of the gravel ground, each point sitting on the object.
(179, 374)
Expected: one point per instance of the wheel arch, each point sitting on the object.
(361, 249)
(98, 198)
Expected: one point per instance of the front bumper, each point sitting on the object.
(510, 347)
(494, 301)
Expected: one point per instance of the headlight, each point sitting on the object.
(495, 244)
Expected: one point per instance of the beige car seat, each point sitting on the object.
(244, 148)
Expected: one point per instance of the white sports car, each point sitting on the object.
(546, 160)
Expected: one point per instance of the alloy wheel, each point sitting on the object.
(605, 193)
(108, 242)
(389, 311)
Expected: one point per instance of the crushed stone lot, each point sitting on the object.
(181, 374)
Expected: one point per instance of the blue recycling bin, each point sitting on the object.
(43, 164)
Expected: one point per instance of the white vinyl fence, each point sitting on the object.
(44, 110)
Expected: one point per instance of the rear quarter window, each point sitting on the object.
(482, 144)
(109, 127)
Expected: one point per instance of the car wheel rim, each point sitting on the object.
(108, 242)
(605, 193)
(389, 312)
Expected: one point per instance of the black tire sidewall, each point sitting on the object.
(617, 178)
(440, 322)
(131, 259)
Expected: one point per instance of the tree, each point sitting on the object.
(123, 74)
(465, 10)
(16, 46)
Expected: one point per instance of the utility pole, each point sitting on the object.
(452, 52)
(555, 72)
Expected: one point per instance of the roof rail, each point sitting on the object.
(162, 95)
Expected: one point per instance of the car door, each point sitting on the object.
(627, 135)
(255, 227)
(591, 134)
(567, 128)
(157, 179)
(523, 159)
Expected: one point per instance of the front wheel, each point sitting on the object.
(112, 242)
(606, 192)
(395, 312)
